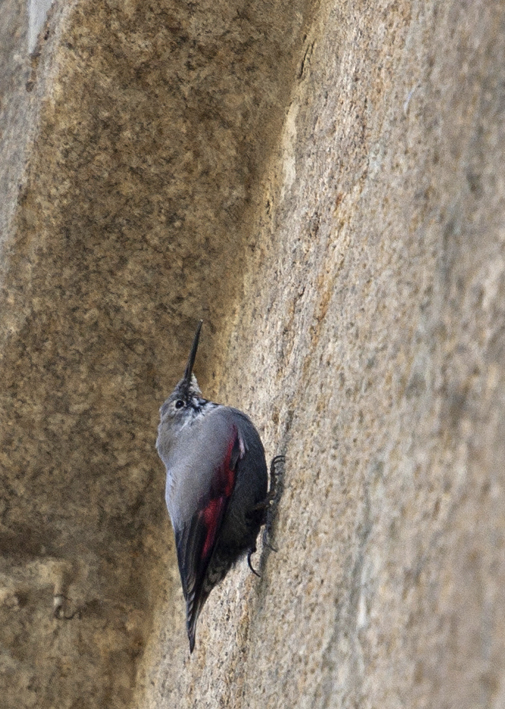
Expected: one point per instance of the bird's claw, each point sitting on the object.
(250, 564)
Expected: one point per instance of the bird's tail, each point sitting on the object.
(193, 608)
(217, 569)
(191, 626)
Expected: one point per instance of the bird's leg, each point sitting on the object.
(269, 505)
(276, 475)
(275, 492)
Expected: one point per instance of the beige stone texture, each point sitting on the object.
(323, 183)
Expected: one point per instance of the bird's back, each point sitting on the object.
(216, 481)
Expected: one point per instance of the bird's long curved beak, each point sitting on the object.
(192, 356)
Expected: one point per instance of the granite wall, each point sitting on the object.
(323, 184)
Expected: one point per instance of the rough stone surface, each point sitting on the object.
(37, 15)
(324, 186)
(134, 141)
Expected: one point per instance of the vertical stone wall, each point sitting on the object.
(323, 185)
(134, 137)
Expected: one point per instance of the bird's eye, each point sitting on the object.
(179, 404)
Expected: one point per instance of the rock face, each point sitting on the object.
(323, 184)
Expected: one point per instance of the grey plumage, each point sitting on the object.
(216, 490)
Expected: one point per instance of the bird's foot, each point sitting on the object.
(273, 497)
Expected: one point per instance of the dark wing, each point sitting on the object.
(196, 541)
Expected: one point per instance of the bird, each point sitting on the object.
(216, 487)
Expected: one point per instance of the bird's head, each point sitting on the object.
(185, 402)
